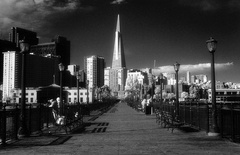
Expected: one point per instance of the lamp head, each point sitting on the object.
(161, 76)
(211, 44)
(61, 67)
(176, 66)
(24, 45)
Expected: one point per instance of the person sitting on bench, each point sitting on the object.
(56, 108)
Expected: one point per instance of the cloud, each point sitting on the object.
(203, 67)
(32, 13)
(205, 5)
(118, 1)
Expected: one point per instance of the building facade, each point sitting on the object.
(58, 47)
(118, 72)
(94, 68)
(18, 34)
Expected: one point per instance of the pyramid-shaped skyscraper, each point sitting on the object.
(118, 71)
(118, 60)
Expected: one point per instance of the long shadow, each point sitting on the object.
(37, 141)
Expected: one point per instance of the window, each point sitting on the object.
(31, 100)
(32, 94)
(75, 93)
(81, 99)
(69, 93)
(69, 99)
(81, 93)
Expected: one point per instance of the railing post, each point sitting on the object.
(16, 122)
(40, 113)
(221, 118)
(198, 115)
(207, 113)
(29, 118)
(4, 125)
(190, 110)
(47, 114)
(232, 123)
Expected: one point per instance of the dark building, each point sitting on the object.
(59, 46)
(40, 71)
(17, 34)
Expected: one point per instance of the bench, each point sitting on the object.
(68, 122)
(167, 120)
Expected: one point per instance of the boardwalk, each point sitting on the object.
(124, 131)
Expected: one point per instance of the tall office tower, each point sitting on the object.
(202, 78)
(118, 60)
(94, 68)
(118, 73)
(59, 46)
(193, 79)
(9, 74)
(107, 76)
(188, 77)
(5, 46)
(17, 34)
(73, 69)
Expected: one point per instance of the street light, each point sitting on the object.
(61, 68)
(212, 45)
(87, 92)
(176, 68)
(78, 77)
(161, 78)
(23, 131)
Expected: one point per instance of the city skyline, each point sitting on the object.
(160, 31)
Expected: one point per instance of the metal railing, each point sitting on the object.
(199, 116)
(40, 117)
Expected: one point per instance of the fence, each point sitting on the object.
(39, 117)
(198, 115)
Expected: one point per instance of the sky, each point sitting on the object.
(164, 31)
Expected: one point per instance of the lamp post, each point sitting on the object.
(61, 68)
(23, 131)
(87, 92)
(161, 77)
(176, 68)
(78, 77)
(212, 45)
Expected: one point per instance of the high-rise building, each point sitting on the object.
(5, 46)
(118, 72)
(18, 34)
(107, 76)
(201, 78)
(59, 46)
(94, 68)
(118, 60)
(73, 69)
(188, 77)
(193, 79)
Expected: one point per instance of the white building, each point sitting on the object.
(31, 95)
(9, 59)
(72, 95)
(73, 69)
(94, 67)
(107, 76)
